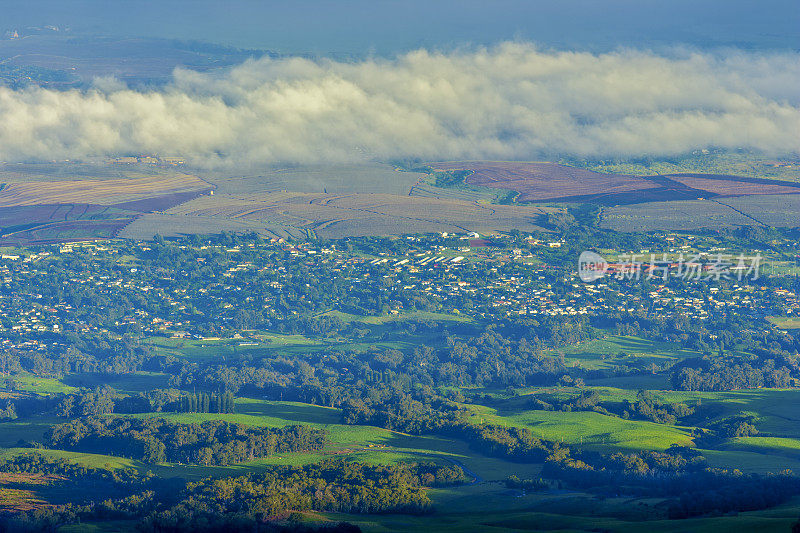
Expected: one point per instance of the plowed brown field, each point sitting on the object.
(546, 181)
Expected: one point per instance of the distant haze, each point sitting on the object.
(387, 27)
(511, 101)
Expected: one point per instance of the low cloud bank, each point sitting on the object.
(508, 102)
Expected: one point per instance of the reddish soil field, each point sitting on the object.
(549, 181)
(102, 192)
(52, 223)
(734, 185)
(536, 182)
(72, 230)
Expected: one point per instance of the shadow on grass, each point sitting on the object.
(139, 382)
(303, 413)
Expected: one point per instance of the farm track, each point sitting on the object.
(740, 212)
(405, 217)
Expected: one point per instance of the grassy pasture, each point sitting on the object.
(41, 385)
(363, 443)
(410, 315)
(491, 507)
(88, 459)
(658, 382)
(750, 461)
(768, 445)
(32, 429)
(111, 526)
(214, 348)
(133, 382)
(785, 322)
(776, 410)
(608, 352)
(262, 343)
(747, 165)
(590, 429)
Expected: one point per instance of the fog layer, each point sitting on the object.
(509, 102)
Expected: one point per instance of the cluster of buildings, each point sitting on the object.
(37, 290)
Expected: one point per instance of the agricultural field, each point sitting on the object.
(539, 181)
(333, 179)
(785, 322)
(56, 203)
(615, 350)
(47, 203)
(145, 226)
(724, 163)
(591, 430)
(27, 382)
(762, 210)
(261, 343)
(725, 186)
(642, 201)
(467, 193)
(102, 192)
(770, 210)
(383, 319)
(495, 508)
(335, 216)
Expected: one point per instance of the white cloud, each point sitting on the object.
(512, 101)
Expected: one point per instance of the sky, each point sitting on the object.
(387, 27)
(428, 80)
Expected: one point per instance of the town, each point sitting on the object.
(213, 289)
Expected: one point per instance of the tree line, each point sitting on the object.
(156, 440)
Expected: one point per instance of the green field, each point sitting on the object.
(785, 322)
(258, 344)
(591, 429)
(13, 431)
(28, 382)
(88, 459)
(366, 443)
(487, 505)
(132, 382)
(411, 315)
(737, 164)
(615, 350)
(491, 507)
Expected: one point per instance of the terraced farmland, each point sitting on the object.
(332, 178)
(36, 208)
(341, 215)
(102, 192)
(50, 203)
